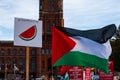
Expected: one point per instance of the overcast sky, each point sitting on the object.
(79, 14)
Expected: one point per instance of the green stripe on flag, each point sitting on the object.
(66, 76)
(76, 58)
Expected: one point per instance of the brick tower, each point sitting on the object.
(51, 13)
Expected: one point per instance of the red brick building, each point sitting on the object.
(51, 13)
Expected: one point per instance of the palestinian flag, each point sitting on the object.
(90, 48)
(66, 76)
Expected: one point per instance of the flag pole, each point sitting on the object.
(27, 63)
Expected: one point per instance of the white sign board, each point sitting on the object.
(27, 32)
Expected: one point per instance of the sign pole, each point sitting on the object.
(27, 63)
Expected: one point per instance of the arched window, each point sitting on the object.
(14, 51)
(14, 60)
(41, 6)
(2, 52)
(43, 51)
(33, 51)
(48, 26)
(8, 61)
(33, 64)
(1, 61)
(50, 5)
(21, 52)
(8, 52)
(21, 61)
(47, 51)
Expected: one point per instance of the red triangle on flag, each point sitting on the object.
(61, 44)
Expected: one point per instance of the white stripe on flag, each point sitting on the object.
(91, 47)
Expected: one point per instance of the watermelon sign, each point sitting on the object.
(28, 32)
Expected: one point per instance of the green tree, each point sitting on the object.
(115, 56)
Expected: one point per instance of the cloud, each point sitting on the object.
(19, 8)
(10, 9)
(0, 32)
(80, 14)
(91, 14)
(6, 33)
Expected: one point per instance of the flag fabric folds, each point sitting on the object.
(66, 76)
(99, 35)
(90, 48)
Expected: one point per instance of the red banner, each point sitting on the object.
(87, 74)
(110, 76)
(75, 73)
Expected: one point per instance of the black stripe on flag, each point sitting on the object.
(99, 35)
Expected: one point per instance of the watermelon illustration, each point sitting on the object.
(29, 34)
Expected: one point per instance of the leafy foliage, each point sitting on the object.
(115, 56)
